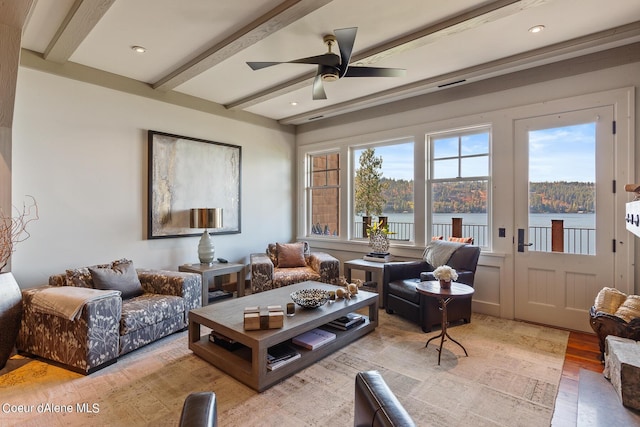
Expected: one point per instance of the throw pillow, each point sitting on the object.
(81, 277)
(630, 308)
(609, 300)
(467, 240)
(121, 276)
(291, 255)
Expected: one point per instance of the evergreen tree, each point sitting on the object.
(369, 187)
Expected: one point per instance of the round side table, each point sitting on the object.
(444, 296)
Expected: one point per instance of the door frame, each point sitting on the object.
(623, 102)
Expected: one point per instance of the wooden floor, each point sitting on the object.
(582, 353)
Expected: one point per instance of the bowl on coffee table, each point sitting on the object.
(310, 298)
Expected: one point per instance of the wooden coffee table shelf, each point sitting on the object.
(249, 364)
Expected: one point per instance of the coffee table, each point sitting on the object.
(444, 296)
(248, 364)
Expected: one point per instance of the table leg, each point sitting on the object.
(443, 333)
(240, 282)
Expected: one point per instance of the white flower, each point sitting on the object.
(444, 272)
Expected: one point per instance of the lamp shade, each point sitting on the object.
(206, 218)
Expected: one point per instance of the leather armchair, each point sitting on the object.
(199, 410)
(376, 405)
(267, 271)
(399, 294)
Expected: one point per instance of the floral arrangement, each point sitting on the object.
(379, 228)
(446, 273)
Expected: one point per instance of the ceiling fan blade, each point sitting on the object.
(261, 65)
(346, 37)
(375, 72)
(330, 59)
(318, 88)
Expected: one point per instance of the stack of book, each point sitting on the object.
(280, 355)
(377, 257)
(347, 322)
(314, 338)
(224, 341)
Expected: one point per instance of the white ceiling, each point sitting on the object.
(200, 47)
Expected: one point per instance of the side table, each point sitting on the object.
(444, 296)
(209, 272)
(374, 272)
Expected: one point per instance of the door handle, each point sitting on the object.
(521, 243)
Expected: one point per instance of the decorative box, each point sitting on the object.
(271, 317)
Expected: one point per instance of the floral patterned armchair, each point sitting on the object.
(109, 324)
(286, 264)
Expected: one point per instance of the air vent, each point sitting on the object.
(315, 118)
(452, 83)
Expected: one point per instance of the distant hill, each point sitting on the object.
(470, 196)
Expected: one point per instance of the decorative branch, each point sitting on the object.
(13, 230)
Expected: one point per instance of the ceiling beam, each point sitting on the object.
(466, 21)
(281, 16)
(81, 19)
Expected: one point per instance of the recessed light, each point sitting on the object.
(139, 49)
(536, 29)
(294, 103)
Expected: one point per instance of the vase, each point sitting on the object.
(10, 315)
(379, 242)
(445, 284)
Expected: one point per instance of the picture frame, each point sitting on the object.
(186, 173)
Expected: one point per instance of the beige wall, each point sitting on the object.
(81, 151)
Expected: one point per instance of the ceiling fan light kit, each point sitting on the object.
(331, 66)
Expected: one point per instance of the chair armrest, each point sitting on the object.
(261, 272)
(83, 344)
(404, 270)
(326, 265)
(165, 282)
(376, 405)
(199, 410)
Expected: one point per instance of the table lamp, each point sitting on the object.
(206, 218)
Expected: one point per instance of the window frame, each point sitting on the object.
(353, 164)
(309, 156)
(458, 133)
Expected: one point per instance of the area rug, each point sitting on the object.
(510, 378)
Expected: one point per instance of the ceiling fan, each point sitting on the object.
(332, 67)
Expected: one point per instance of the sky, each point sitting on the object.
(555, 154)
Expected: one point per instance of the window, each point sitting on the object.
(323, 194)
(389, 168)
(459, 184)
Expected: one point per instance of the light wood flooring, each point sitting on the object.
(582, 353)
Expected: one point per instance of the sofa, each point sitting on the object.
(284, 264)
(399, 294)
(376, 405)
(615, 313)
(142, 306)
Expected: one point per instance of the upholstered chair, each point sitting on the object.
(615, 313)
(287, 263)
(399, 294)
